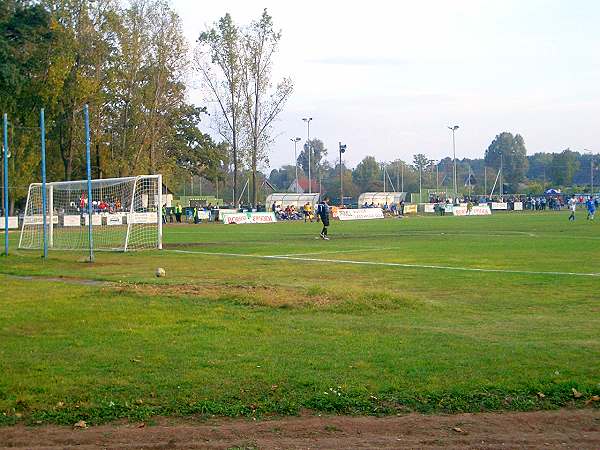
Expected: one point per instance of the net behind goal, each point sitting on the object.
(127, 214)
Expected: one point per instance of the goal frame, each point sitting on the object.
(49, 213)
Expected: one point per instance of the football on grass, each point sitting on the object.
(160, 272)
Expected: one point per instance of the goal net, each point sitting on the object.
(126, 214)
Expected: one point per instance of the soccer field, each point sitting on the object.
(431, 314)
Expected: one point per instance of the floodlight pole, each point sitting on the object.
(86, 115)
(591, 172)
(5, 193)
(453, 129)
(402, 169)
(295, 141)
(44, 194)
(308, 149)
(342, 150)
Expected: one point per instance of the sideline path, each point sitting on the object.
(573, 429)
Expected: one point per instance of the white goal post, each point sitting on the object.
(127, 214)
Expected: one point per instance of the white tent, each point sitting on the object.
(284, 199)
(381, 198)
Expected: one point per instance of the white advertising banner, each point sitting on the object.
(203, 215)
(429, 208)
(248, 217)
(96, 219)
(113, 219)
(72, 221)
(38, 219)
(475, 211)
(142, 217)
(518, 206)
(360, 214)
(13, 222)
(498, 205)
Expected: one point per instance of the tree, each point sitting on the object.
(317, 157)
(193, 150)
(262, 104)
(367, 175)
(26, 38)
(218, 60)
(509, 151)
(282, 178)
(564, 166)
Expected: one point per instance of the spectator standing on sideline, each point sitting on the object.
(178, 212)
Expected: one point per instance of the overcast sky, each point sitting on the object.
(388, 77)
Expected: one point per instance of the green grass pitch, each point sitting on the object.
(429, 314)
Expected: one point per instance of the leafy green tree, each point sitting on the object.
(564, 166)
(218, 60)
(367, 175)
(26, 38)
(283, 177)
(193, 150)
(509, 151)
(317, 158)
(262, 103)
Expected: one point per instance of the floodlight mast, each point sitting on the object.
(453, 129)
(342, 150)
(309, 151)
(295, 141)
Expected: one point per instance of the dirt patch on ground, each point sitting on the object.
(271, 296)
(576, 429)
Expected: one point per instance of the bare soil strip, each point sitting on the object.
(575, 429)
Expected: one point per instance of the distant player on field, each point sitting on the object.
(323, 212)
(572, 207)
(591, 208)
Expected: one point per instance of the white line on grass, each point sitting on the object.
(389, 264)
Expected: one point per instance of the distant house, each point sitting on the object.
(303, 185)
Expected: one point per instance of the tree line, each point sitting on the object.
(133, 66)
(520, 173)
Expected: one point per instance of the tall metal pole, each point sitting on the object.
(420, 186)
(309, 150)
(484, 179)
(437, 180)
(402, 167)
(295, 141)
(501, 177)
(454, 156)
(341, 179)
(44, 200)
(591, 172)
(5, 193)
(86, 116)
